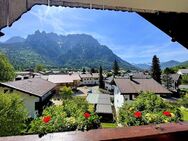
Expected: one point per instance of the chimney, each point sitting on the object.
(131, 77)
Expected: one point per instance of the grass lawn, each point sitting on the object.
(108, 125)
(185, 114)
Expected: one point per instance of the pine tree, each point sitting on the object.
(155, 69)
(7, 72)
(101, 81)
(92, 70)
(83, 70)
(167, 81)
(116, 68)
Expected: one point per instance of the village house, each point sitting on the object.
(24, 75)
(175, 80)
(69, 80)
(89, 79)
(128, 89)
(108, 83)
(182, 71)
(36, 93)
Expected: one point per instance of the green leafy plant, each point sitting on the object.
(66, 92)
(146, 109)
(7, 72)
(72, 115)
(13, 115)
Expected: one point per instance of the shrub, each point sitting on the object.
(72, 115)
(183, 101)
(88, 121)
(13, 115)
(75, 106)
(146, 109)
(66, 92)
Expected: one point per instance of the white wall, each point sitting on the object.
(89, 81)
(108, 86)
(29, 101)
(118, 98)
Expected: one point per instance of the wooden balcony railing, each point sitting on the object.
(163, 132)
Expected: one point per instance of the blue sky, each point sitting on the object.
(127, 34)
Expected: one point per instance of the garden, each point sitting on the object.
(148, 108)
(75, 113)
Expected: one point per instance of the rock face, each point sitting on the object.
(72, 51)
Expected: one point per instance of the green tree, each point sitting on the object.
(13, 115)
(92, 70)
(7, 72)
(184, 79)
(155, 69)
(108, 74)
(39, 67)
(116, 68)
(66, 92)
(101, 81)
(168, 71)
(183, 101)
(83, 70)
(167, 81)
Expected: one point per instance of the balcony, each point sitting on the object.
(167, 132)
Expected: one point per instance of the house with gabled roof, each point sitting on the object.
(72, 80)
(89, 79)
(126, 90)
(36, 93)
(182, 71)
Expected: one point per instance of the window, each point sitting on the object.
(131, 97)
(11, 90)
(5, 91)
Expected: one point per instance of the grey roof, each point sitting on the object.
(109, 79)
(102, 108)
(104, 101)
(184, 71)
(183, 86)
(98, 99)
(34, 86)
(89, 75)
(175, 77)
(92, 98)
(140, 75)
(127, 86)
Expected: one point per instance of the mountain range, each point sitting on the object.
(50, 49)
(168, 64)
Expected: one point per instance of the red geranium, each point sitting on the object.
(138, 114)
(167, 113)
(87, 115)
(46, 119)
